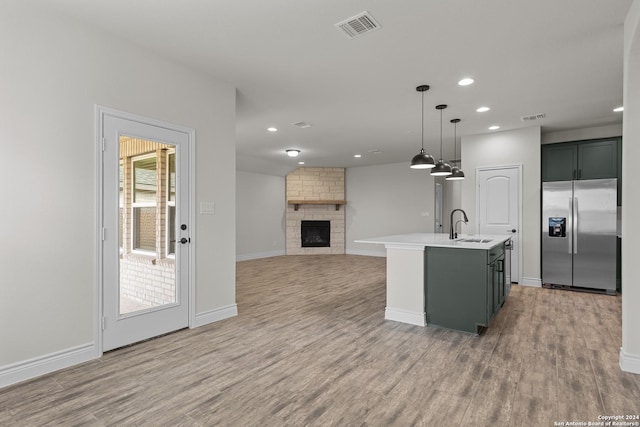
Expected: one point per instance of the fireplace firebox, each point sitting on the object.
(315, 234)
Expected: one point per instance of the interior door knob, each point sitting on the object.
(513, 230)
(184, 240)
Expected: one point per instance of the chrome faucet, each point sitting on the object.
(452, 234)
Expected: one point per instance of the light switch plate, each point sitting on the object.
(207, 208)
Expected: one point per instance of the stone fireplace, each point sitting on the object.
(315, 197)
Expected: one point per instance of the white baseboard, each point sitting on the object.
(215, 315)
(258, 255)
(31, 368)
(382, 253)
(410, 317)
(629, 362)
(531, 281)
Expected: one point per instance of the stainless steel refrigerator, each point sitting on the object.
(579, 234)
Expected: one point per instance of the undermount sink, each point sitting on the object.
(475, 240)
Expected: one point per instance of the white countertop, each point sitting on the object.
(440, 240)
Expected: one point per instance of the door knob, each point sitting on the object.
(513, 230)
(184, 240)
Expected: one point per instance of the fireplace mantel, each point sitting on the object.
(296, 203)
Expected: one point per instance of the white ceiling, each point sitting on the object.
(289, 63)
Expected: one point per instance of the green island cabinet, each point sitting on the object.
(464, 288)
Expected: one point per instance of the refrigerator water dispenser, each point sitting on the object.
(557, 226)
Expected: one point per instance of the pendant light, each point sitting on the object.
(456, 173)
(442, 168)
(422, 160)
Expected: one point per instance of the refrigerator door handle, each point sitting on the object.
(575, 225)
(570, 226)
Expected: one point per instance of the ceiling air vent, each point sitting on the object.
(301, 125)
(358, 25)
(533, 117)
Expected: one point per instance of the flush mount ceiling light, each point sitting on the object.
(456, 173)
(442, 168)
(494, 127)
(618, 109)
(357, 156)
(466, 81)
(292, 152)
(272, 129)
(483, 109)
(422, 160)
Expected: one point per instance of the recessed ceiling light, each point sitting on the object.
(272, 129)
(301, 163)
(494, 127)
(292, 152)
(466, 81)
(483, 109)
(357, 156)
(618, 109)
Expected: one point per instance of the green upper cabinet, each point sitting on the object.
(598, 159)
(593, 159)
(559, 162)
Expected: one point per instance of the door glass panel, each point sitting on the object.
(120, 203)
(171, 203)
(147, 225)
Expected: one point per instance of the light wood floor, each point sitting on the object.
(311, 347)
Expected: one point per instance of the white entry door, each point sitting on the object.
(145, 227)
(438, 208)
(499, 209)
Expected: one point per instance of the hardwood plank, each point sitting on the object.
(580, 399)
(531, 410)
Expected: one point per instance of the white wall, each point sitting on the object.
(630, 352)
(53, 72)
(594, 132)
(521, 146)
(260, 215)
(386, 199)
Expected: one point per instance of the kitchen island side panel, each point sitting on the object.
(456, 288)
(405, 285)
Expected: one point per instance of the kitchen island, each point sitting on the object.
(452, 283)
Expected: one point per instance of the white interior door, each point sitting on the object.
(146, 230)
(438, 207)
(499, 207)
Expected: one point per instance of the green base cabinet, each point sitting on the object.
(464, 288)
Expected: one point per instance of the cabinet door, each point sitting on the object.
(496, 276)
(559, 162)
(501, 276)
(496, 285)
(491, 290)
(598, 159)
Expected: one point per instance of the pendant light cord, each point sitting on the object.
(455, 141)
(440, 134)
(422, 117)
